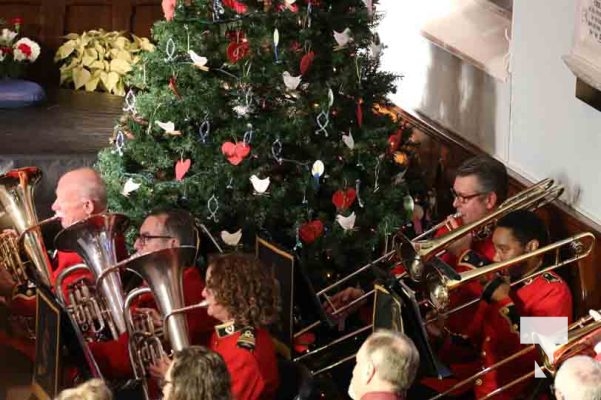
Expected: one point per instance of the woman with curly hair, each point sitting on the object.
(197, 373)
(242, 294)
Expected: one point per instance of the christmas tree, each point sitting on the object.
(260, 117)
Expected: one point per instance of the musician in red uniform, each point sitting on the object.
(161, 229)
(242, 295)
(79, 194)
(493, 333)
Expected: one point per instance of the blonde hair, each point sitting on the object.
(94, 389)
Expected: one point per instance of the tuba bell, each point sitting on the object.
(16, 197)
(94, 239)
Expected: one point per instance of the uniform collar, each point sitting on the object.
(227, 328)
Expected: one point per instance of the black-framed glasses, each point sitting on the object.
(465, 198)
(145, 237)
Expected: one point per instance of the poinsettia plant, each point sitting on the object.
(15, 51)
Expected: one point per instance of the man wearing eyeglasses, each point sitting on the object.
(160, 230)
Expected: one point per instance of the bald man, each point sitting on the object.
(79, 194)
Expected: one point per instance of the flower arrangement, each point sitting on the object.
(15, 51)
(99, 60)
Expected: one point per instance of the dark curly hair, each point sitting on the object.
(199, 374)
(245, 288)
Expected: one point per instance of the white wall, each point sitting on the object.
(533, 122)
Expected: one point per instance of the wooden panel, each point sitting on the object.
(442, 151)
(81, 18)
(144, 16)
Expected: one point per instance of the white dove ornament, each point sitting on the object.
(231, 239)
(342, 38)
(198, 61)
(290, 81)
(259, 185)
(347, 223)
(168, 127)
(349, 141)
(130, 186)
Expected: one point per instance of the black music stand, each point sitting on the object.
(396, 308)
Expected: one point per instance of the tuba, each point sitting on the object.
(16, 196)
(162, 270)
(94, 239)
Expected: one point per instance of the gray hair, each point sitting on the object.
(395, 357)
(579, 378)
(94, 389)
(491, 174)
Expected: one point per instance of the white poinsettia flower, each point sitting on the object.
(7, 37)
(26, 50)
(2, 55)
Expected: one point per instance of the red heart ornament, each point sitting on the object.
(237, 51)
(235, 152)
(310, 231)
(306, 62)
(343, 199)
(181, 167)
(394, 141)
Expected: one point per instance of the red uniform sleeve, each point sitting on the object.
(112, 357)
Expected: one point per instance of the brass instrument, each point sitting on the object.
(92, 306)
(162, 270)
(16, 197)
(583, 335)
(440, 286)
(10, 258)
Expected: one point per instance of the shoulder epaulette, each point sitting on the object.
(510, 313)
(549, 277)
(473, 259)
(247, 338)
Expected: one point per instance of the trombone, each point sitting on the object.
(582, 336)
(440, 286)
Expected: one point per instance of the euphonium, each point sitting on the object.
(94, 239)
(10, 258)
(16, 196)
(162, 270)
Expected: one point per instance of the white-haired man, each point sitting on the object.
(578, 378)
(387, 363)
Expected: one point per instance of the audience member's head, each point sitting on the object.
(578, 378)
(240, 288)
(79, 194)
(94, 389)
(164, 229)
(480, 186)
(386, 362)
(197, 373)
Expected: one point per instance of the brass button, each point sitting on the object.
(478, 382)
(487, 339)
(483, 354)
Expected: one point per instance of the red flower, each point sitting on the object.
(17, 21)
(25, 49)
(310, 231)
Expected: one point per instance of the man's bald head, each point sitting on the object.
(79, 193)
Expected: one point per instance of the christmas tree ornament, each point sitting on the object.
(170, 50)
(408, 204)
(375, 49)
(130, 102)
(130, 186)
(181, 168)
(204, 130)
(276, 41)
(235, 5)
(343, 199)
(236, 51)
(377, 174)
(259, 185)
(306, 62)
(342, 38)
(394, 141)
(168, 127)
(276, 150)
(323, 120)
(168, 9)
(346, 223)
(119, 142)
(231, 239)
(348, 140)
(357, 187)
(198, 61)
(291, 82)
(401, 158)
(218, 10)
(359, 112)
(317, 171)
(330, 98)
(173, 87)
(298, 245)
(310, 231)
(248, 135)
(235, 152)
(213, 207)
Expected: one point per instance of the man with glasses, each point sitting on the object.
(160, 230)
